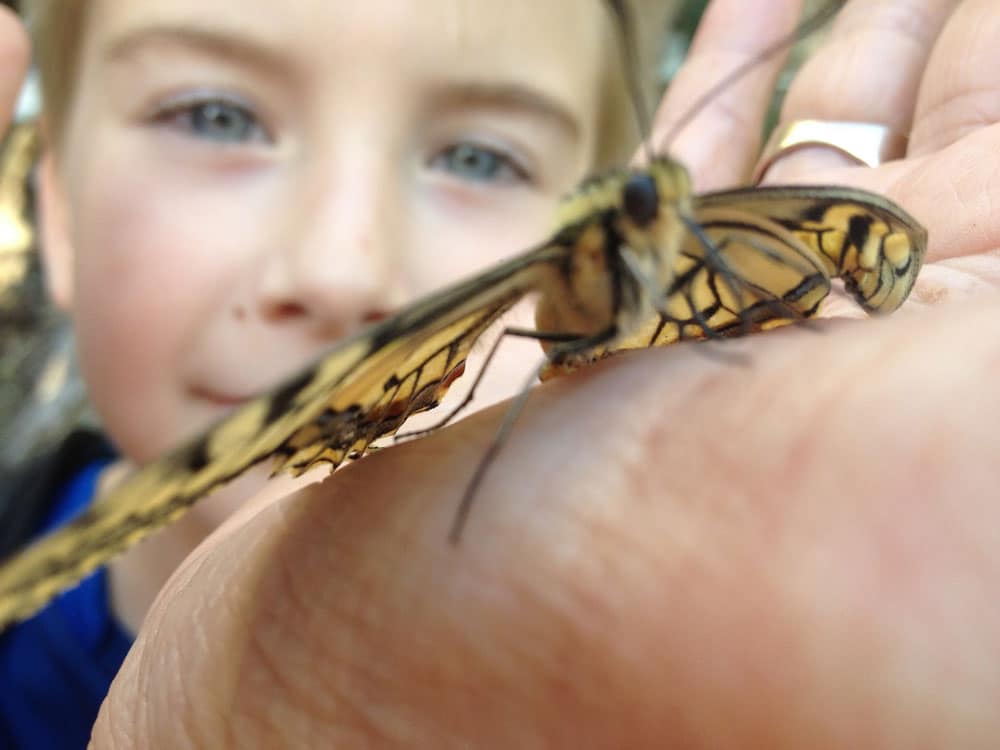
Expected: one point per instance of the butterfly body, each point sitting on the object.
(597, 294)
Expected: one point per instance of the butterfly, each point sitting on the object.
(637, 260)
(17, 156)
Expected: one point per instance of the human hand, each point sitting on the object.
(14, 55)
(925, 68)
(669, 551)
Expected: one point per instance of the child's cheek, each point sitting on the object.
(152, 259)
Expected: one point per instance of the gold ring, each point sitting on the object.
(866, 143)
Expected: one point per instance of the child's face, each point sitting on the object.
(247, 181)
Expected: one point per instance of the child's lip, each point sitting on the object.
(220, 399)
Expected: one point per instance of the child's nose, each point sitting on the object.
(341, 271)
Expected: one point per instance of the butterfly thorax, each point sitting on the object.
(621, 234)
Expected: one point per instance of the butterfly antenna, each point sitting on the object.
(513, 411)
(806, 27)
(626, 35)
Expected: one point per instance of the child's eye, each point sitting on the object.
(215, 120)
(477, 163)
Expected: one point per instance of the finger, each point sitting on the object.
(14, 56)
(670, 551)
(961, 87)
(953, 186)
(867, 70)
(721, 142)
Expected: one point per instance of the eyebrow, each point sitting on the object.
(508, 96)
(267, 56)
(257, 52)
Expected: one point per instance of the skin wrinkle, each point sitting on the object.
(890, 530)
(383, 657)
(271, 723)
(194, 727)
(978, 114)
(145, 673)
(731, 422)
(911, 22)
(209, 719)
(266, 632)
(711, 152)
(692, 564)
(861, 578)
(363, 676)
(966, 61)
(635, 555)
(351, 617)
(570, 647)
(728, 115)
(861, 47)
(980, 189)
(579, 599)
(271, 629)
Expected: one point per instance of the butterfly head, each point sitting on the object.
(653, 201)
(620, 237)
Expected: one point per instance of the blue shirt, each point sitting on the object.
(56, 668)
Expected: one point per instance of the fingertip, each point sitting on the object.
(15, 46)
(15, 55)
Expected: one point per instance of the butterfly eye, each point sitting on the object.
(640, 200)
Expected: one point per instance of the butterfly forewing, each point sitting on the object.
(363, 389)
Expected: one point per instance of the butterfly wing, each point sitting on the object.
(361, 390)
(765, 257)
(871, 243)
(17, 157)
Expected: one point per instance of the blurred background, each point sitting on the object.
(41, 398)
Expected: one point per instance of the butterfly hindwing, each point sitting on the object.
(875, 246)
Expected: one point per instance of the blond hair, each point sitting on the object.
(56, 28)
(57, 31)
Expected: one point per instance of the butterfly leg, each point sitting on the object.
(716, 261)
(680, 286)
(785, 306)
(566, 346)
(768, 306)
